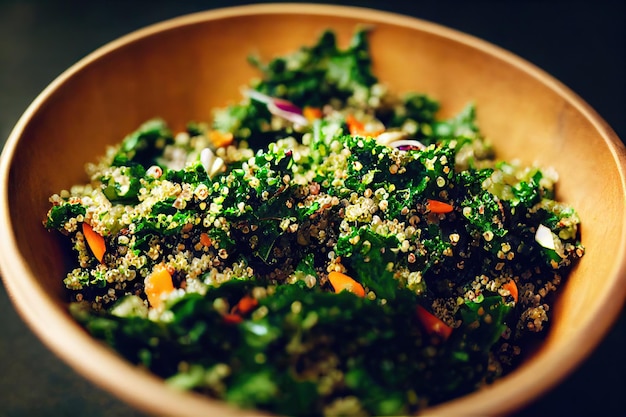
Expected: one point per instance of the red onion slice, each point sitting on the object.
(407, 144)
(279, 107)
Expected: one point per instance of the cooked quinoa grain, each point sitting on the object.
(324, 245)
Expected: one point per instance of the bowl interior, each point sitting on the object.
(180, 70)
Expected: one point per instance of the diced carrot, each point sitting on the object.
(205, 240)
(95, 241)
(341, 282)
(232, 318)
(312, 113)
(356, 127)
(187, 227)
(439, 207)
(158, 283)
(220, 139)
(433, 324)
(512, 288)
(246, 304)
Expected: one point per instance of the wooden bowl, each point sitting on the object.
(182, 68)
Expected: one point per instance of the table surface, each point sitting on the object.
(581, 43)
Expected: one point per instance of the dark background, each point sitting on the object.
(581, 43)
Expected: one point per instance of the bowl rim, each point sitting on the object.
(46, 319)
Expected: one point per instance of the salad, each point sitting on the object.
(323, 246)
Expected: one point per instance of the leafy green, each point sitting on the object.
(416, 108)
(60, 214)
(144, 145)
(125, 192)
(302, 202)
(381, 348)
(368, 259)
(313, 76)
(316, 75)
(462, 124)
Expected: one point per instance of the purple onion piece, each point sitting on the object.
(407, 144)
(279, 107)
(295, 118)
(287, 106)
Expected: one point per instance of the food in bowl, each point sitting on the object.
(324, 245)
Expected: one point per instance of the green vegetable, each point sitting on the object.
(312, 76)
(451, 254)
(316, 75)
(144, 145)
(61, 214)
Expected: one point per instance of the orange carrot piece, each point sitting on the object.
(205, 240)
(312, 113)
(357, 128)
(246, 304)
(433, 324)
(95, 241)
(341, 282)
(220, 139)
(439, 207)
(232, 318)
(354, 126)
(159, 282)
(512, 288)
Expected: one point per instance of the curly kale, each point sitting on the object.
(313, 77)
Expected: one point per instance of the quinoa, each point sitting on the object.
(324, 244)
